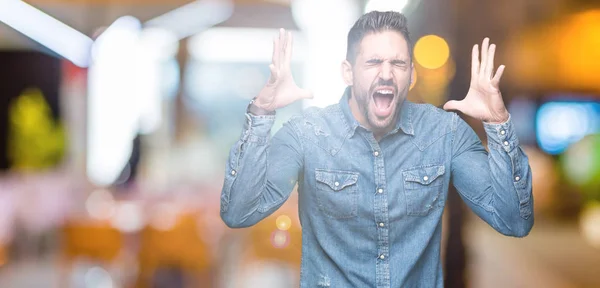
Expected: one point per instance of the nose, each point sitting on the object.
(386, 71)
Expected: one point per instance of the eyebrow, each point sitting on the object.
(396, 61)
(377, 60)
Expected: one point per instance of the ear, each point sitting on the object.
(347, 73)
(412, 74)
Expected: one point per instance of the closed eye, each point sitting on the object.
(374, 61)
(398, 63)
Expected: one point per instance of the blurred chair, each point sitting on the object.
(93, 240)
(179, 247)
(271, 255)
(3, 256)
(263, 247)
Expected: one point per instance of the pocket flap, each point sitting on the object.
(424, 174)
(336, 180)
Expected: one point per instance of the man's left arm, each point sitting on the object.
(496, 185)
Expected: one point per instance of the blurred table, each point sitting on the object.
(553, 255)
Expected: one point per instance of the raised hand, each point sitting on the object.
(484, 100)
(281, 89)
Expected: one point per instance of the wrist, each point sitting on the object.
(256, 108)
(499, 120)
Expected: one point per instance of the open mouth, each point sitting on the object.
(383, 99)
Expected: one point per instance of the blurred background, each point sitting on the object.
(116, 118)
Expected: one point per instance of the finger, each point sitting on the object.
(275, 59)
(453, 105)
(489, 69)
(288, 51)
(282, 46)
(475, 61)
(484, 52)
(496, 80)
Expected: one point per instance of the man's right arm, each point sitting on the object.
(261, 172)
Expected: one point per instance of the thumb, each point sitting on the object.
(453, 105)
(307, 95)
(274, 73)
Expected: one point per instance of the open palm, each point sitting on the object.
(281, 89)
(484, 100)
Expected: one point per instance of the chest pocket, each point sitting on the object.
(423, 188)
(337, 193)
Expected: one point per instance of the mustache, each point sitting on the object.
(384, 83)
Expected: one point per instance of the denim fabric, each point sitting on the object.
(371, 211)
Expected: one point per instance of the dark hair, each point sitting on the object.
(375, 22)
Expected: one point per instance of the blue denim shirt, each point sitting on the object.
(371, 211)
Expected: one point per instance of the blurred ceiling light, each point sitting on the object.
(325, 25)
(125, 28)
(385, 5)
(236, 45)
(431, 51)
(113, 114)
(318, 15)
(51, 33)
(194, 17)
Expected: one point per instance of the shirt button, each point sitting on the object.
(505, 143)
(382, 257)
(379, 190)
(517, 178)
(233, 172)
(381, 224)
(502, 132)
(425, 178)
(376, 153)
(336, 184)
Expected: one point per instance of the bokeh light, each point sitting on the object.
(100, 204)
(560, 124)
(97, 277)
(581, 165)
(128, 217)
(577, 49)
(589, 224)
(431, 51)
(164, 216)
(280, 239)
(544, 179)
(283, 222)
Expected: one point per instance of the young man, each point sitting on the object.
(373, 170)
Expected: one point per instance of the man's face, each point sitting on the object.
(381, 78)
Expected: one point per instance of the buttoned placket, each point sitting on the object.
(381, 215)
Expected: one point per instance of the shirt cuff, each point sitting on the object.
(502, 136)
(258, 128)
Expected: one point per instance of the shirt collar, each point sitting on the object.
(404, 122)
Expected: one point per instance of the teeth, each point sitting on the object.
(385, 92)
